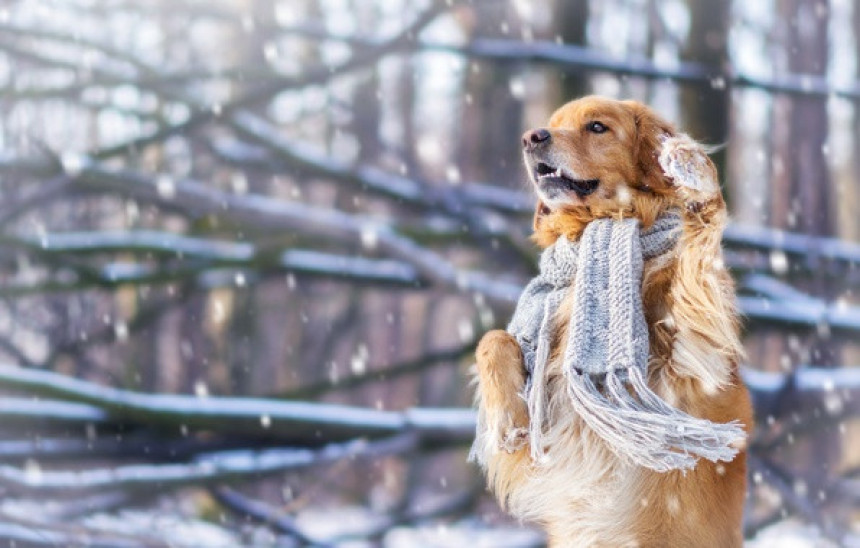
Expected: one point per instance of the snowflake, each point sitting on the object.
(165, 186)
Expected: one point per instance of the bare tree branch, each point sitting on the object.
(210, 468)
(301, 422)
(381, 374)
(783, 482)
(578, 58)
(263, 513)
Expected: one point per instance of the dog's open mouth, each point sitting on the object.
(548, 175)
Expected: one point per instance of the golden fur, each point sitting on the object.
(584, 495)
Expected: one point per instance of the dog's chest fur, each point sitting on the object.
(601, 493)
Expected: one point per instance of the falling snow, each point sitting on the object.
(165, 186)
(159, 182)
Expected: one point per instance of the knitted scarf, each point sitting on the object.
(606, 358)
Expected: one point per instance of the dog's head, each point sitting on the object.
(597, 158)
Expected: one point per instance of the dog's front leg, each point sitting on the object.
(702, 307)
(502, 446)
(501, 378)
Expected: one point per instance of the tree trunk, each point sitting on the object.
(806, 179)
(571, 18)
(705, 110)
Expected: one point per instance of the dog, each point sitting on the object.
(602, 158)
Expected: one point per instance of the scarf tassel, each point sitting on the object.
(638, 425)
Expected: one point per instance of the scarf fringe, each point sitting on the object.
(638, 425)
(536, 400)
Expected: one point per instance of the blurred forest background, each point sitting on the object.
(248, 248)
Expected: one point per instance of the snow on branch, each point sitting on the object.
(299, 422)
(779, 303)
(835, 392)
(579, 58)
(438, 198)
(36, 412)
(209, 262)
(218, 467)
(144, 241)
(96, 439)
(17, 532)
(266, 213)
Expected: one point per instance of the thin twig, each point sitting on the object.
(263, 513)
(385, 374)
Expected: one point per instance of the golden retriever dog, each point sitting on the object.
(605, 158)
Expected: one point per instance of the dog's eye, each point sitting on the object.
(595, 127)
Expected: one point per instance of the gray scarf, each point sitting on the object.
(605, 363)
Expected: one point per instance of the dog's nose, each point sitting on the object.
(533, 138)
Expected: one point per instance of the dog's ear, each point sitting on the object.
(541, 211)
(651, 131)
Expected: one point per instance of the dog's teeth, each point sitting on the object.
(557, 172)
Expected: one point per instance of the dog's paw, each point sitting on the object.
(685, 163)
(514, 439)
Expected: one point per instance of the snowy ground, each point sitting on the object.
(794, 534)
(177, 527)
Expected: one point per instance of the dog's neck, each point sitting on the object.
(570, 222)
